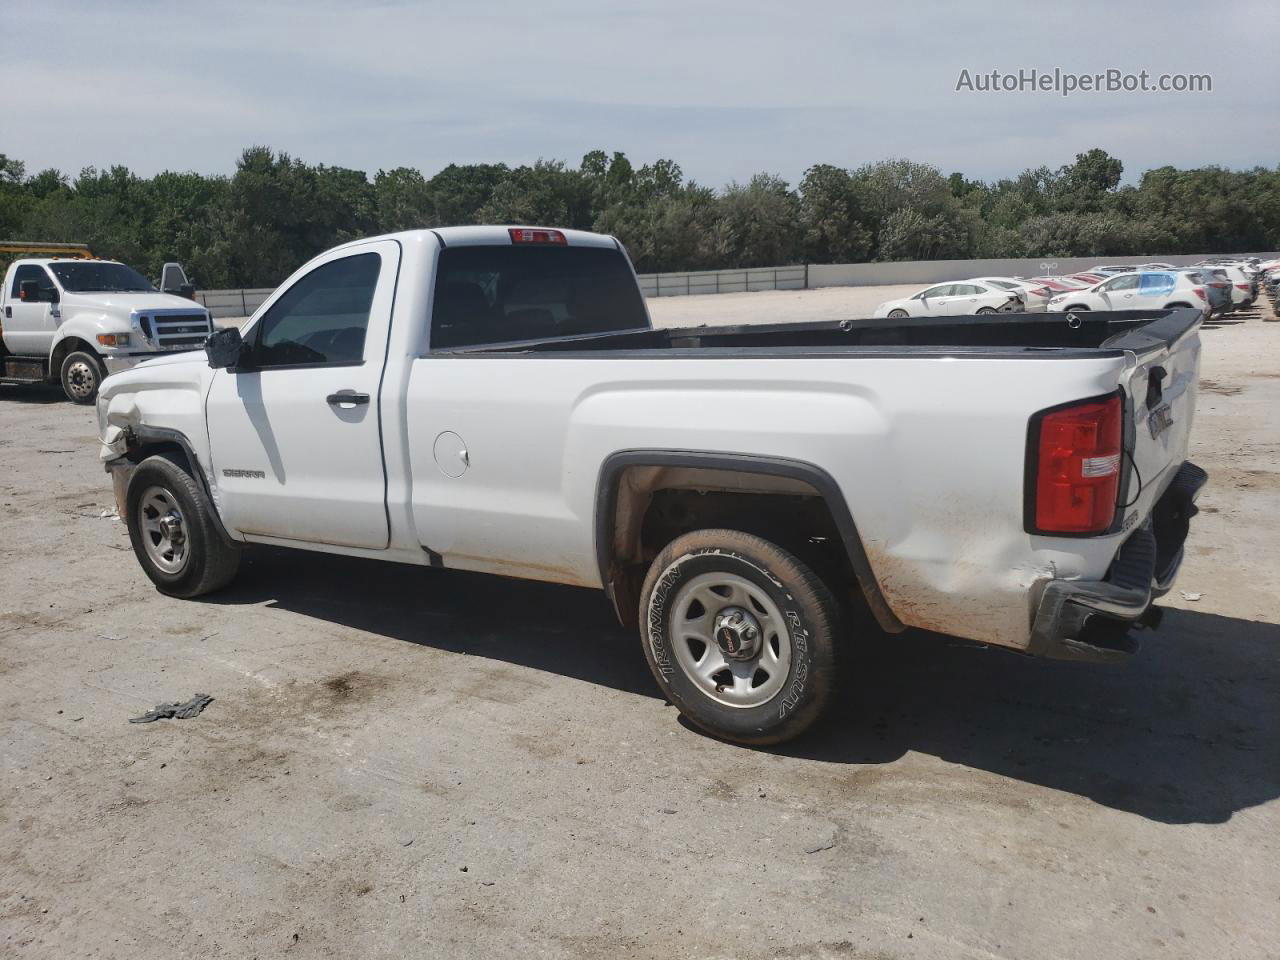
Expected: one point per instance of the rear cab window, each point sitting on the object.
(499, 294)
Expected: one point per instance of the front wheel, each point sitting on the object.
(81, 374)
(740, 635)
(173, 533)
(897, 314)
(986, 311)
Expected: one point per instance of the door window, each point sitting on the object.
(321, 319)
(1156, 284)
(942, 290)
(30, 271)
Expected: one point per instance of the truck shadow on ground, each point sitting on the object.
(1185, 732)
(32, 393)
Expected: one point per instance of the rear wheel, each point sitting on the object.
(740, 635)
(81, 374)
(173, 533)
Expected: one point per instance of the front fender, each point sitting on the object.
(85, 325)
(161, 401)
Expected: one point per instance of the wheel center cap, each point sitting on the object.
(171, 528)
(737, 633)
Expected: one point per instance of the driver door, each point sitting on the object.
(935, 299)
(294, 428)
(29, 325)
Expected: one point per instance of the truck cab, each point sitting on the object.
(76, 320)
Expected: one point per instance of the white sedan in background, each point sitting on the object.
(1153, 290)
(1035, 296)
(951, 299)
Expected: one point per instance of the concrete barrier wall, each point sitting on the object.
(241, 303)
(233, 303)
(724, 281)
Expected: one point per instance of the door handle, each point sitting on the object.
(347, 396)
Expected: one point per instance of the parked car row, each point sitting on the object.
(1215, 287)
(1269, 282)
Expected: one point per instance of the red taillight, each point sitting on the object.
(1242, 286)
(521, 235)
(1199, 292)
(1077, 467)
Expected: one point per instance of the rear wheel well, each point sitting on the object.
(1170, 306)
(652, 505)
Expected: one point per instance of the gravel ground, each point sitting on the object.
(405, 763)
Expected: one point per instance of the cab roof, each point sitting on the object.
(491, 235)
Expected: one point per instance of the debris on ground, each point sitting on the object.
(176, 711)
(1191, 597)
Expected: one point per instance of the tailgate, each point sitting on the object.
(1161, 383)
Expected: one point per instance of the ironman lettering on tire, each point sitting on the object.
(740, 635)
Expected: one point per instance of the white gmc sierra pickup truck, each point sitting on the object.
(78, 320)
(496, 399)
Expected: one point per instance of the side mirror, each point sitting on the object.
(187, 290)
(223, 348)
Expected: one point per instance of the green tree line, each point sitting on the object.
(251, 229)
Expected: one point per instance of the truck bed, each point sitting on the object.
(1010, 334)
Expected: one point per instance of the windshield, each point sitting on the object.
(100, 278)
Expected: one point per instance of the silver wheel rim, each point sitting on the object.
(163, 529)
(80, 379)
(699, 604)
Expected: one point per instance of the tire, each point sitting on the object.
(1078, 308)
(763, 697)
(986, 311)
(201, 562)
(82, 374)
(898, 314)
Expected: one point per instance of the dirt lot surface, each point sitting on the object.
(405, 763)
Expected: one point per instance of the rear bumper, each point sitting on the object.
(1088, 619)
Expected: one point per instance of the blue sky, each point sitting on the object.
(724, 88)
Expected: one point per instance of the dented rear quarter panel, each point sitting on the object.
(929, 453)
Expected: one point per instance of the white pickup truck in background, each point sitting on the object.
(495, 399)
(75, 321)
